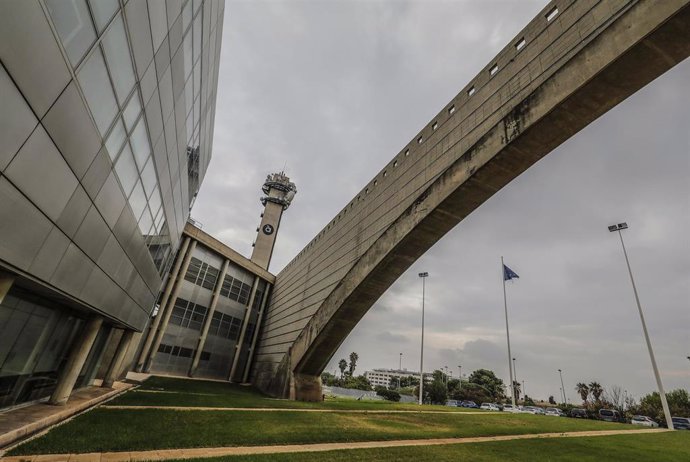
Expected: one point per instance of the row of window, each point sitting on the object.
(188, 314)
(206, 276)
(235, 289)
(202, 274)
(183, 352)
(192, 315)
(225, 326)
(493, 70)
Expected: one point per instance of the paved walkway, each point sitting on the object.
(19, 423)
(277, 409)
(196, 453)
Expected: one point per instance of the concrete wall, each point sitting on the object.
(571, 69)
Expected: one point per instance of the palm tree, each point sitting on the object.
(596, 390)
(583, 390)
(353, 363)
(342, 365)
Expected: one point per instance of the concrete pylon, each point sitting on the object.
(77, 358)
(6, 282)
(116, 362)
(177, 278)
(243, 332)
(209, 318)
(161, 308)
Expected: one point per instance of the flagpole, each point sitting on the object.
(505, 306)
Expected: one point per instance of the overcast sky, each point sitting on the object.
(334, 89)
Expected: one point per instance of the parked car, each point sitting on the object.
(470, 404)
(644, 421)
(510, 408)
(452, 402)
(681, 423)
(579, 413)
(554, 411)
(534, 410)
(490, 407)
(610, 415)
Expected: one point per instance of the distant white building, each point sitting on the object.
(382, 377)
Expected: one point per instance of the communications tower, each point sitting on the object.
(279, 192)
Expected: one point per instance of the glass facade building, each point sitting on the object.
(106, 128)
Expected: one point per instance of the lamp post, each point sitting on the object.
(399, 369)
(560, 372)
(515, 376)
(423, 275)
(667, 413)
(460, 376)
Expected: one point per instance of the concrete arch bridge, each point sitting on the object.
(572, 63)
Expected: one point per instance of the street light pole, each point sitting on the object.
(399, 369)
(460, 376)
(667, 413)
(423, 275)
(560, 372)
(515, 376)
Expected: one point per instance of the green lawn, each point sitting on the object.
(667, 447)
(106, 429)
(197, 393)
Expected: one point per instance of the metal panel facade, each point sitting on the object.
(103, 103)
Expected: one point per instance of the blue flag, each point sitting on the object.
(509, 274)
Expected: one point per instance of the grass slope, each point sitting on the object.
(106, 429)
(198, 393)
(668, 447)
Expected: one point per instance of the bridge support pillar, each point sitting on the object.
(305, 388)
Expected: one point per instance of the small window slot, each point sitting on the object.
(434, 126)
(471, 91)
(552, 14)
(451, 109)
(493, 70)
(520, 44)
(420, 140)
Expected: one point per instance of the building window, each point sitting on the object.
(552, 14)
(73, 24)
(188, 314)
(521, 44)
(225, 326)
(471, 91)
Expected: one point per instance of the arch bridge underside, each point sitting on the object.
(571, 64)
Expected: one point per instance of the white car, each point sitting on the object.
(644, 421)
(510, 408)
(554, 412)
(490, 407)
(533, 410)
